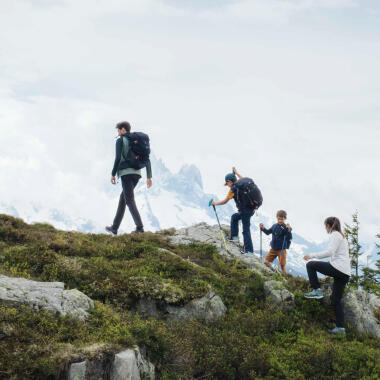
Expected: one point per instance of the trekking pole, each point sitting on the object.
(220, 227)
(261, 245)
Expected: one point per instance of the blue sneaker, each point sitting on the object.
(338, 331)
(315, 293)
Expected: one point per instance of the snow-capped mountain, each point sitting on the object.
(175, 200)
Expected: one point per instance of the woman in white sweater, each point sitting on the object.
(339, 268)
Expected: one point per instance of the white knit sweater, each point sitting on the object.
(338, 252)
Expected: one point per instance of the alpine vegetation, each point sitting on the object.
(169, 305)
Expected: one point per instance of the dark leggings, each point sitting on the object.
(127, 197)
(340, 281)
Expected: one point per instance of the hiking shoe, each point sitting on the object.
(315, 293)
(234, 239)
(138, 230)
(338, 331)
(111, 230)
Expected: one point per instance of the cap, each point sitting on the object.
(230, 177)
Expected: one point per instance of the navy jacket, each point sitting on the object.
(278, 231)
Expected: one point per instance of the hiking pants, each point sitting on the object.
(245, 217)
(127, 197)
(340, 281)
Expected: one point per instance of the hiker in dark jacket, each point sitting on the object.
(281, 237)
(129, 179)
(244, 214)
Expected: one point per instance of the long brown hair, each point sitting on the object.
(334, 224)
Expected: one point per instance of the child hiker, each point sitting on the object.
(339, 268)
(281, 238)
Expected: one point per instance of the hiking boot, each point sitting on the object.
(138, 230)
(111, 230)
(315, 293)
(234, 239)
(338, 331)
(242, 251)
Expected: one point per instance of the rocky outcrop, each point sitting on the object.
(126, 365)
(277, 294)
(204, 233)
(359, 309)
(206, 308)
(50, 296)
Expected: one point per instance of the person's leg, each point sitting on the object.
(318, 266)
(246, 221)
(235, 225)
(337, 293)
(119, 213)
(270, 257)
(129, 182)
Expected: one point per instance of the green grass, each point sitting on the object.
(252, 341)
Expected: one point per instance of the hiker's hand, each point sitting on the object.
(261, 226)
(288, 227)
(213, 203)
(113, 180)
(149, 182)
(307, 257)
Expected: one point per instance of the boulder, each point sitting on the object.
(203, 233)
(126, 365)
(50, 296)
(359, 309)
(130, 365)
(77, 371)
(277, 294)
(206, 308)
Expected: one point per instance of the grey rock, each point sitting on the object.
(277, 294)
(206, 308)
(359, 309)
(130, 365)
(77, 371)
(204, 233)
(50, 296)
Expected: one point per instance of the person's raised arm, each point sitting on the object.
(236, 173)
(334, 243)
(223, 202)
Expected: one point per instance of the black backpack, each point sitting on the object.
(139, 150)
(247, 194)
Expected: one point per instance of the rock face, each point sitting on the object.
(126, 365)
(276, 294)
(77, 371)
(204, 233)
(50, 296)
(206, 308)
(359, 309)
(130, 365)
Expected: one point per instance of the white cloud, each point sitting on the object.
(295, 106)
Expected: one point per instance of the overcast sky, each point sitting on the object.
(288, 91)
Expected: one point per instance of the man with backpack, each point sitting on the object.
(132, 154)
(248, 198)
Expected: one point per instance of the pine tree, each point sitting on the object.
(352, 233)
(371, 277)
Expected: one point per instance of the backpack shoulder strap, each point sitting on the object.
(125, 141)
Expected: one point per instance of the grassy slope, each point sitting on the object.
(253, 340)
